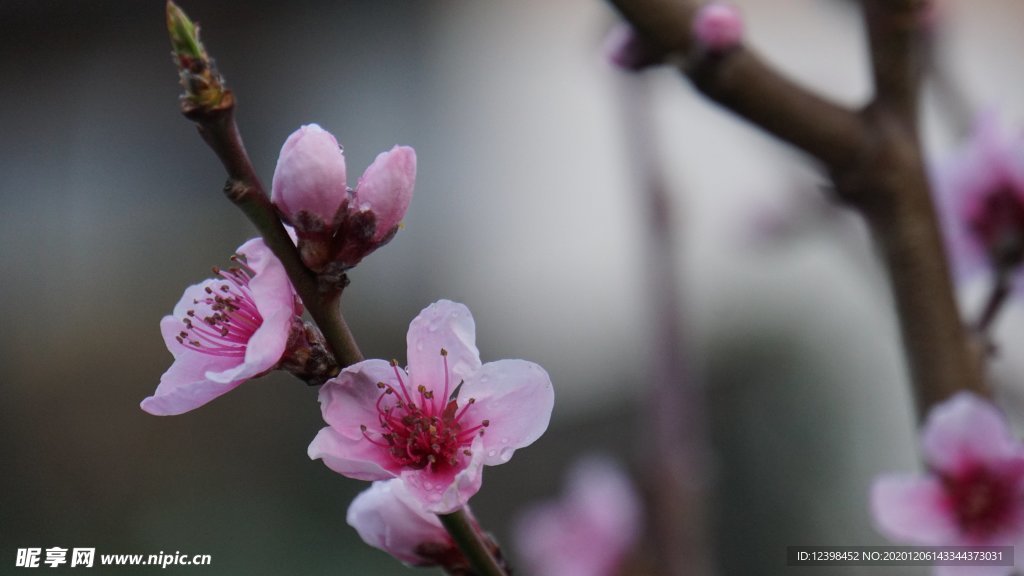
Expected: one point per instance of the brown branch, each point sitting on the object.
(677, 477)
(873, 157)
(211, 105)
(243, 188)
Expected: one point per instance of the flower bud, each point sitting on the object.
(385, 189)
(309, 182)
(718, 27)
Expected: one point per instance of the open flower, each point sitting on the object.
(435, 425)
(389, 518)
(980, 192)
(334, 223)
(973, 494)
(226, 330)
(590, 531)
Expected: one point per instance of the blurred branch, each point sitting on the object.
(873, 157)
(676, 476)
(211, 105)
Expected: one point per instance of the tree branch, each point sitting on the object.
(873, 157)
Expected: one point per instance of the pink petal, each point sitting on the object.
(310, 175)
(600, 489)
(183, 388)
(349, 400)
(275, 299)
(389, 518)
(965, 431)
(586, 533)
(386, 188)
(516, 397)
(913, 509)
(442, 325)
(358, 459)
(443, 492)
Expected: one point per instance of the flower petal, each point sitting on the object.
(310, 174)
(442, 325)
(965, 431)
(914, 509)
(386, 188)
(445, 491)
(516, 397)
(358, 459)
(182, 388)
(349, 400)
(276, 302)
(387, 517)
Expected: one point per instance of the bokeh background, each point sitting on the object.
(526, 209)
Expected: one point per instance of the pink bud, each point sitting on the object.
(385, 189)
(627, 49)
(718, 26)
(310, 178)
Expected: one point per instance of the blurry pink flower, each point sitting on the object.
(718, 26)
(436, 425)
(225, 330)
(391, 519)
(309, 183)
(973, 494)
(980, 192)
(589, 532)
(336, 224)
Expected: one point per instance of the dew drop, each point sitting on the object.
(504, 440)
(428, 486)
(432, 328)
(506, 454)
(434, 497)
(419, 346)
(492, 452)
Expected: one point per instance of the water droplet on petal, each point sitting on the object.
(419, 346)
(506, 454)
(492, 452)
(504, 440)
(432, 328)
(434, 497)
(428, 486)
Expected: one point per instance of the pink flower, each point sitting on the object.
(391, 519)
(337, 225)
(973, 494)
(436, 425)
(718, 26)
(980, 193)
(225, 330)
(590, 531)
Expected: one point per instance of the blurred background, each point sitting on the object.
(526, 209)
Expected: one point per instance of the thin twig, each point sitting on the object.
(471, 542)
(994, 303)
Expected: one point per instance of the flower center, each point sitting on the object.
(983, 501)
(222, 322)
(420, 429)
(998, 224)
